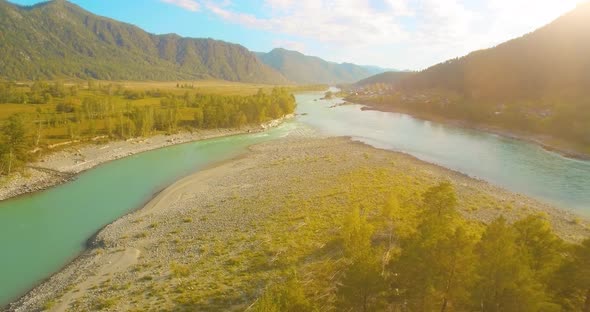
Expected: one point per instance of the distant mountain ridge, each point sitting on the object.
(389, 78)
(552, 59)
(304, 69)
(59, 39)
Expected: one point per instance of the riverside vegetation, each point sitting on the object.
(409, 250)
(330, 225)
(35, 117)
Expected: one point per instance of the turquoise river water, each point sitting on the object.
(41, 232)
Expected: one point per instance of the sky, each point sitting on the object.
(397, 34)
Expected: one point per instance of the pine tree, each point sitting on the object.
(362, 281)
(16, 141)
(505, 280)
(571, 283)
(435, 268)
(541, 248)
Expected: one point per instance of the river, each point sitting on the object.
(41, 232)
(516, 165)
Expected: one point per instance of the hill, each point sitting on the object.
(305, 69)
(58, 39)
(555, 59)
(537, 84)
(386, 78)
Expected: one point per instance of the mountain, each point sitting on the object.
(554, 60)
(386, 78)
(59, 39)
(375, 70)
(304, 69)
(538, 84)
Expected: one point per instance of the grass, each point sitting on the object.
(7, 109)
(299, 230)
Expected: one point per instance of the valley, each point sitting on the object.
(146, 166)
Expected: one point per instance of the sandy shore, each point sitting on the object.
(548, 143)
(205, 221)
(62, 166)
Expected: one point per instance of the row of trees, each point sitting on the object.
(444, 263)
(37, 93)
(562, 117)
(105, 115)
(41, 92)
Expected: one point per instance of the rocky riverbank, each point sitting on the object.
(195, 245)
(62, 166)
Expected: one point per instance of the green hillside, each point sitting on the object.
(304, 69)
(58, 39)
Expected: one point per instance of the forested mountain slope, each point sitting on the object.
(305, 69)
(554, 60)
(59, 39)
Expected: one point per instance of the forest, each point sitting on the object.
(40, 115)
(416, 252)
(59, 39)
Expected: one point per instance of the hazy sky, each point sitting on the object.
(401, 34)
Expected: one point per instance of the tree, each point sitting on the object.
(356, 234)
(440, 202)
(362, 283)
(241, 120)
(16, 143)
(505, 280)
(362, 280)
(541, 248)
(572, 280)
(435, 268)
(198, 117)
(456, 264)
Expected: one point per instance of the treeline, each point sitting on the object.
(432, 259)
(41, 92)
(37, 93)
(561, 117)
(104, 114)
